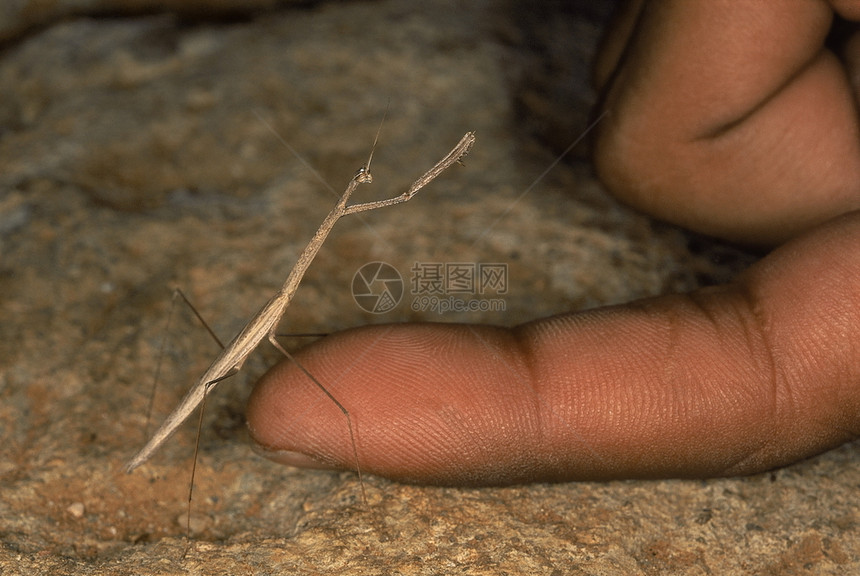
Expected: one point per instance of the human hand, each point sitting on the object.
(731, 120)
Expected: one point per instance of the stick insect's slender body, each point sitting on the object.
(263, 324)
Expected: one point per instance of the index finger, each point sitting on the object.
(723, 381)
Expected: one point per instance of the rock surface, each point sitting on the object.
(18, 17)
(143, 152)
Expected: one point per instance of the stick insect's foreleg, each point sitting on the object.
(456, 155)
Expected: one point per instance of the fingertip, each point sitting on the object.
(427, 402)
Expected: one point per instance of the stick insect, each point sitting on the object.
(263, 324)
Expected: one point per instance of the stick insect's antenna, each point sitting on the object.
(363, 174)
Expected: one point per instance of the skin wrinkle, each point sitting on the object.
(707, 379)
(725, 127)
(555, 398)
(817, 352)
(783, 402)
(760, 338)
(682, 397)
(836, 305)
(544, 406)
(524, 352)
(533, 432)
(754, 333)
(843, 397)
(752, 319)
(723, 61)
(513, 360)
(851, 379)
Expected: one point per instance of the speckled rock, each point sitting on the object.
(142, 153)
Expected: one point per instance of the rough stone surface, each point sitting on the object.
(18, 17)
(141, 153)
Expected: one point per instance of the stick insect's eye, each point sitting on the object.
(363, 176)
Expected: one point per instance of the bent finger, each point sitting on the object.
(731, 118)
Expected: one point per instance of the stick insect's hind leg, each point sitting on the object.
(177, 293)
(209, 385)
(274, 341)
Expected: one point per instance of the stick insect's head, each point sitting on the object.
(363, 175)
